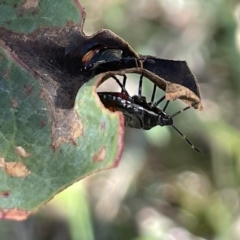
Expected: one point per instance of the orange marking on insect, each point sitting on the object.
(88, 56)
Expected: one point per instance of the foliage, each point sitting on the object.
(162, 189)
(44, 149)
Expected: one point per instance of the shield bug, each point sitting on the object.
(139, 113)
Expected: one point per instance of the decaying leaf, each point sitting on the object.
(181, 83)
(48, 110)
(54, 107)
(54, 57)
(173, 91)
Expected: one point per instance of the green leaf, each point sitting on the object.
(26, 137)
(44, 148)
(27, 16)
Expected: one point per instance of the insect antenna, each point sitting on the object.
(184, 109)
(186, 139)
(183, 136)
(180, 111)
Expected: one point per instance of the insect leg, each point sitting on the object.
(153, 94)
(124, 81)
(160, 100)
(140, 86)
(122, 85)
(166, 105)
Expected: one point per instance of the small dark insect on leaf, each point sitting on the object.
(98, 56)
(107, 59)
(138, 113)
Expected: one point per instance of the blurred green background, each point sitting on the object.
(162, 189)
